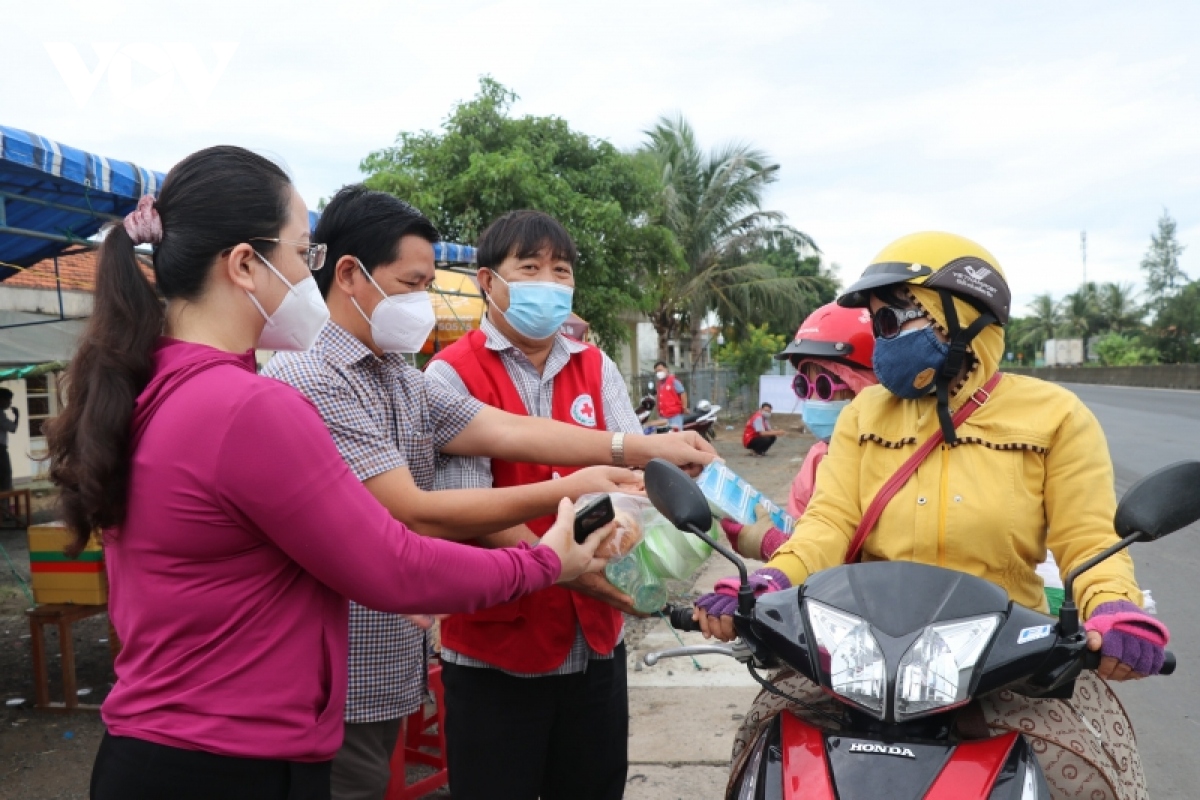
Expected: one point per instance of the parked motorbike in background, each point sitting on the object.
(904, 671)
(702, 420)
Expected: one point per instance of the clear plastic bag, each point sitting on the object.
(629, 510)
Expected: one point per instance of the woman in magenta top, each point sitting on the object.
(234, 531)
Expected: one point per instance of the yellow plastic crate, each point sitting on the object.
(58, 579)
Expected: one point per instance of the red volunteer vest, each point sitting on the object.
(535, 632)
(670, 404)
(749, 433)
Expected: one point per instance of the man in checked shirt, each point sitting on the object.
(391, 423)
(536, 695)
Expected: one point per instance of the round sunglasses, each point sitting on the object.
(822, 388)
(887, 321)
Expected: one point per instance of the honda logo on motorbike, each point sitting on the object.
(881, 750)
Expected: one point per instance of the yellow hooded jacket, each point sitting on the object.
(1031, 471)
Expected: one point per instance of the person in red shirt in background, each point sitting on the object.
(832, 354)
(759, 435)
(672, 397)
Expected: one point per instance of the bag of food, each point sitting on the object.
(628, 510)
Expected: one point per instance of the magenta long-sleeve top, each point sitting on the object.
(245, 535)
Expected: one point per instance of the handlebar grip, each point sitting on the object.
(1091, 660)
(681, 618)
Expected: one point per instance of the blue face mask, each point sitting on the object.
(821, 415)
(536, 309)
(908, 365)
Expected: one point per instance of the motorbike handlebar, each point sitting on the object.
(680, 618)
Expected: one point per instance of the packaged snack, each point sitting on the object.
(730, 497)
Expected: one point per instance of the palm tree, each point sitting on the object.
(1044, 320)
(1081, 315)
(712, 203)
(1118, 303)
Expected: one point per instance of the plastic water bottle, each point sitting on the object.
(635, 577)
(1148, 604)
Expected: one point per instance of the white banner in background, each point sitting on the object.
(777, 390)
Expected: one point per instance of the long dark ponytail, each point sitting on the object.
(212, 200)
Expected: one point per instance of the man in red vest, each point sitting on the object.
(672, 397)
(758, 435)
(536, 697)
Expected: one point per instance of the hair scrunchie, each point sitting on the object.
(143, 224)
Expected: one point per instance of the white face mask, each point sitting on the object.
(662, 376)
(400, 323)
(298, 321)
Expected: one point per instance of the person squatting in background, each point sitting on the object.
(758, 435)
(831, 353)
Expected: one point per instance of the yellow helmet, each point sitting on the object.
(941, 261)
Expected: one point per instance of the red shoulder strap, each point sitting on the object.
(894, 484)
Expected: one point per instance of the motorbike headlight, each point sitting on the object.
(936, 671)
(850, 656)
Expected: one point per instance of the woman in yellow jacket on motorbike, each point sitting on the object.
(1028, 470)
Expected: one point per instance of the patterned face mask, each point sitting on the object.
(908, 365)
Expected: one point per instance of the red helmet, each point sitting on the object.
(833, 332)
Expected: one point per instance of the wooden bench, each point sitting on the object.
(64, 616)
(12, 502)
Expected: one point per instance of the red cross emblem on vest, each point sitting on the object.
(583, 411)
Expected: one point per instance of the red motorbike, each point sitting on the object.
(903, 670)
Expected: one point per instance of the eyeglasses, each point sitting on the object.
(822, 388)
(887, 321)
(314, 257)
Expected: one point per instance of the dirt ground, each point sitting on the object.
(48, 756)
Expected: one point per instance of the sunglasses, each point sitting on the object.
(822, 388)
(887, 321)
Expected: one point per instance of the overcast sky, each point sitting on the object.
(1016, 123)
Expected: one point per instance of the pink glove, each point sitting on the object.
(722, 601)
(758, 541)
(1131, 636)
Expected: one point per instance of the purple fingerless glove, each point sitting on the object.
(1131, 636)
(722, 601)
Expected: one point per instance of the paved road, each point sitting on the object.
(1148, 429)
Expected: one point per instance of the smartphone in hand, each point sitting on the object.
(592, 517)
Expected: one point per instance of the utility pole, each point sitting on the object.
(1083, 250)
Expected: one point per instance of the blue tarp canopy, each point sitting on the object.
(451, 253)
(53, 196)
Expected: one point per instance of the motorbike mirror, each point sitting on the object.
(1160, 503)
(676, 496)
(681, 501)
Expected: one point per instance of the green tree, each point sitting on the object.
(752, 354)
(1177, 326)
(789, 261)
(484, 162)
(1161, 263)
(1043, 322)
(1081, 315)
(1116, 350)
(712, 202)
(1021, 340)
(1119, 309)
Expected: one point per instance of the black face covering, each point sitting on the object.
(959, 339)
